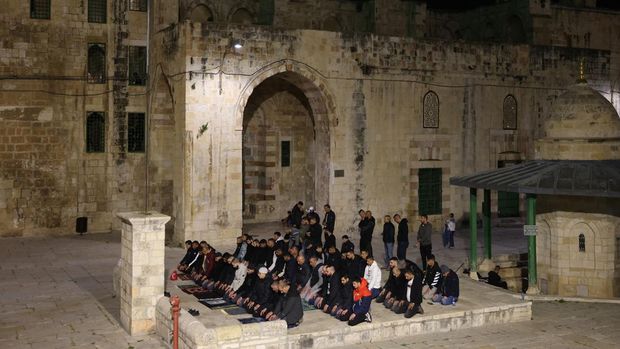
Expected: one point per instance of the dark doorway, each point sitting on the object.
(507, 202)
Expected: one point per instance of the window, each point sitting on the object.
(431, 110)
(285, 153)
(95, 132)
(96, 63)
(582, 243)
(97, 11)
(136, 130)
(137, 65)
(137, 5)
(40, 9)
(429, 191)
(510, 113)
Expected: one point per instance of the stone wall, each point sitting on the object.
(564, 269)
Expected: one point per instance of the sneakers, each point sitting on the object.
(193, 312)
(368, 317)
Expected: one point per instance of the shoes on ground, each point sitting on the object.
(193, 312)
(368, 317)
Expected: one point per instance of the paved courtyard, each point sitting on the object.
(57, 293)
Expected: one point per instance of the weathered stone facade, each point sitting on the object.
(363, 93)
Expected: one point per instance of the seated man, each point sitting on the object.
(496, 280)
(361, 303)
(397, 292)
(247, 286)
(259, 294)
(331, 289)
(432, 279)
(290, 309)
(190, 256)
(347, 245)
(448, 293)
(354, 265)
(372, 274)
(342, 310)
(313, 286)
(412, 304)
(302, 272)
(274, 297)
(387, 287)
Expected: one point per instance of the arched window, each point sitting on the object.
(431, 110)
(96, 63)
(201, 14)
(582, 243)
(242, 16)
(510, 113)
(95, 132)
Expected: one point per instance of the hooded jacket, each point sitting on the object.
(388, 232)
(331, 289)
(345, 300)
(361, 298)
(262, 290)
(403, 231)
(450, 285)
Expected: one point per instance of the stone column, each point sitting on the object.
(473, 232)
(142, 269)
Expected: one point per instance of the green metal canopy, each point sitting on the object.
(553, 177)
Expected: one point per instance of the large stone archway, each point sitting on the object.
(285, 104)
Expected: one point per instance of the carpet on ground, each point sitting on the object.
(217, 303)
(251, 320)
(197, 291)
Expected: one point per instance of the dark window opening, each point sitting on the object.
(137, 65)
(285, 153)
(582, 243)
(95, 132)
(96, 63)
(138, 5)
(430, 110)
(136, 131)
(40, 9)
(97, 11)
(510, 113)
(429, 191)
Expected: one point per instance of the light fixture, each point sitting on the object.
(237, 45)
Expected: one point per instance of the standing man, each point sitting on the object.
(362, 227)
(402, 237)
(388, 238)
(329, 221)
(424, 239)
(296, 213)
(451, 227)
(369, 229)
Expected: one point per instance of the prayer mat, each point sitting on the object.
(306, 306)
(235, 311)
(251, 320)
(184, 277)
(216, 303)
(197, 291)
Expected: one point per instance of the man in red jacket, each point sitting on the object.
(362, 298)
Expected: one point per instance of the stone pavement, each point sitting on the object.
(57, 293)
(554, 325)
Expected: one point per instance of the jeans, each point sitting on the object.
(389, 249)
(445, 237)
(444, 300)
(401, 250)
(374, 292)
(451, 238)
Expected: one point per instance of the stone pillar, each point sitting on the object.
(142, 269)
(532, 278)
(487, 263)
(473, 231)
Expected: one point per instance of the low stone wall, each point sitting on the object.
(193, 334)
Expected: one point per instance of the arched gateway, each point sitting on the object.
(285, 115)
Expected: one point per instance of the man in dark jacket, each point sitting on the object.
(388, 238)
(290, 309)
(315, 234)
(387, 287)
(190, 258)
(296, 213)
(432, 279)
(496, 280)
(397, 292)
(302, 271)
(361, 303)
(347, 244)
(261, 292)
(448, 292)
(333, 257)
(366, 231)
(354, 265)
(402, 238)
(329, 221)
(424, 239)
(331, 288)
(412, 304)
(313, 286)
(342, 309)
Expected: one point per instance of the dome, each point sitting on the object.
(582, 113)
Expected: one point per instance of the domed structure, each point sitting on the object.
(583, 125)
(582, 113)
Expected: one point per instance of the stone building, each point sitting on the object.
(223, 112)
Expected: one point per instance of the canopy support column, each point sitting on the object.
(473, 231)
(531, 246)
(486, 222)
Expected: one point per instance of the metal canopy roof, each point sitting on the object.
(553, 177)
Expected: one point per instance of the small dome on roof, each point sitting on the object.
(582, 113)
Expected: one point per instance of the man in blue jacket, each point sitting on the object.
(361, 302)
(448, 293)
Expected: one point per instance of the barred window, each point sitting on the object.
(285, 153)
(96, 63)
(136, 132)
(95, 132)
(137, 65)
(430, 105)
(582, 243)
(138, 5)
(429, 191)
(40, 9)
(97, 11)
(510, 113)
